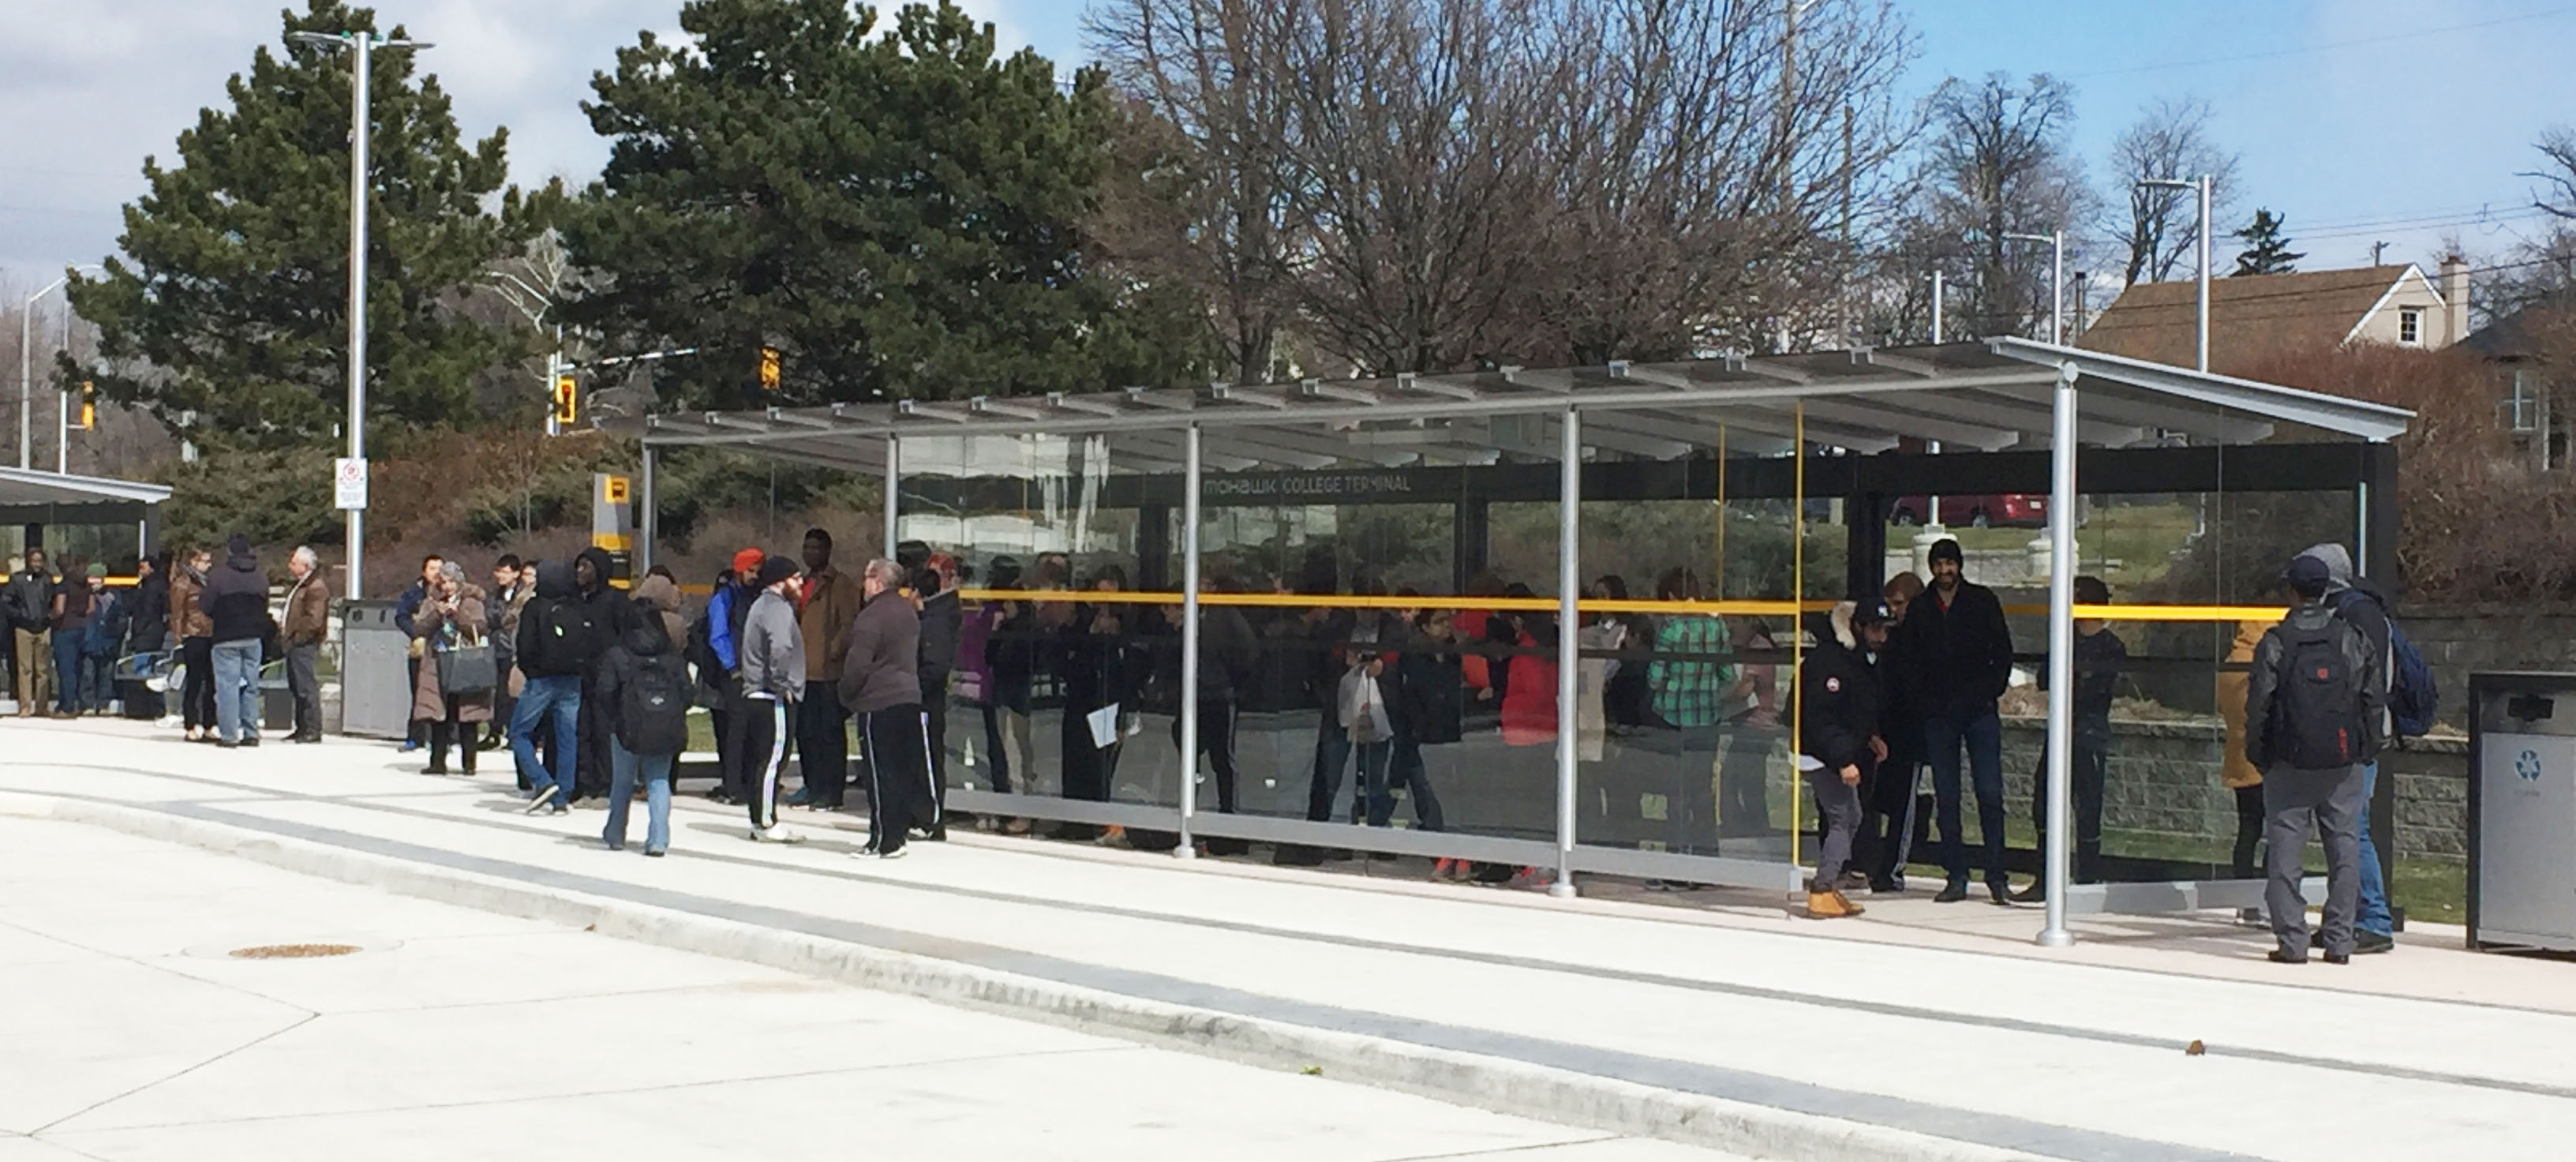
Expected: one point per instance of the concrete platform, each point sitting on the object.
(454, 1033)
(1919, 1031)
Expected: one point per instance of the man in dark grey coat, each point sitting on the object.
(881, 684)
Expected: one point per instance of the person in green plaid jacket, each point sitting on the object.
(1690, 695)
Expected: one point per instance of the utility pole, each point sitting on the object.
(362, 46)
(2377, 249)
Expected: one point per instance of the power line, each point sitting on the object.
(2417, 34)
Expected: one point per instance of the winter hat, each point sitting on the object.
(774, 570)
(747, 562)
(1870, 611)
(239, 546)
(1947, 549)
(97, 570)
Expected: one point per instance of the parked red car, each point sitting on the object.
(2009, 509)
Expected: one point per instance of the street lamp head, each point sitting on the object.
(405, 44)
(2169, 183)
(320, 39)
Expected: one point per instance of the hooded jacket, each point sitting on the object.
(537, 658)
(773, 649)
(657, 604)
(882, 670)
(1838, 691)
(832, 601)
(2366, 610)
(643, 647)
(612, 613)
(2264, 680)
(148, 614)
(2239, 772)
(236, 597)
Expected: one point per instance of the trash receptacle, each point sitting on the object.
(2522, 811)
(375, 677)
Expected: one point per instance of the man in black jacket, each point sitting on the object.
(941, 625)
(1961, 651)
(236, 599)
(611, 615)
(1838, 739)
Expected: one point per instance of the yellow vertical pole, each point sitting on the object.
(1797, 631)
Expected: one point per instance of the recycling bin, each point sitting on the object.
(375, 674)
(2522, 811)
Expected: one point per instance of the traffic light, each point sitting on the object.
(567, 400)
(89, 406)
(769, 369)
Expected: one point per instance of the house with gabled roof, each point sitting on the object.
(2255, 315)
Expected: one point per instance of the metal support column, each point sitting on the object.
(360, 45)
(1189, 641)
(893, 466)
(647, 523)
(1569, 588)
(2061, 658)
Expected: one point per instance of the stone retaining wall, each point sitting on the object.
(2164, 780)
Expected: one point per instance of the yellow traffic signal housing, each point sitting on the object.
(567, 399)
(769, 369)
(89, 406)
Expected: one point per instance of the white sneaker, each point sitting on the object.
(775, 835)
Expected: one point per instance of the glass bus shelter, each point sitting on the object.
(1675, 529)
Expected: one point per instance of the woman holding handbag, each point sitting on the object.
(458, 673)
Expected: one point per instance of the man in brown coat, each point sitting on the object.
(308, 621)
(195, 632)
(832, 601)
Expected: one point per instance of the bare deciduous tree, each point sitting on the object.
(2158, 227)
(1417, 186)
(1997, 163)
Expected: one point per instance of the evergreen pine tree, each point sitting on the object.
(901, 214)
(229, 302)
(2266, 250)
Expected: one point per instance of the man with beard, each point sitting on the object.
(1961, 653)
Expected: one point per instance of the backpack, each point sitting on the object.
(653, 706)
(2316, 718)
(2413, 697)
(563, 635)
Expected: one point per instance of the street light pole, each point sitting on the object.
(26, 369)
(2056, 240)
(363, 46)
(2199, 187)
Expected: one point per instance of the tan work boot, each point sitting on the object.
(1830, 905)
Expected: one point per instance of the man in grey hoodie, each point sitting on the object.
(2374, 927)
(772, 660)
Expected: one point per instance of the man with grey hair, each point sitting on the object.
(881, 683)
(307, 622)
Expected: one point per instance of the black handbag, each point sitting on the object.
(468, 670)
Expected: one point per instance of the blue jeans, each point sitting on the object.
(559, 695)
(622, 764)
(1374, 793)
(237, 689)
(2373, 917)
(1332, 753)
(1983, 733)
(67, 669)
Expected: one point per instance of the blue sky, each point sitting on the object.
(2371, 120)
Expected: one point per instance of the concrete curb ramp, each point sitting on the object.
(1499, 1084)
